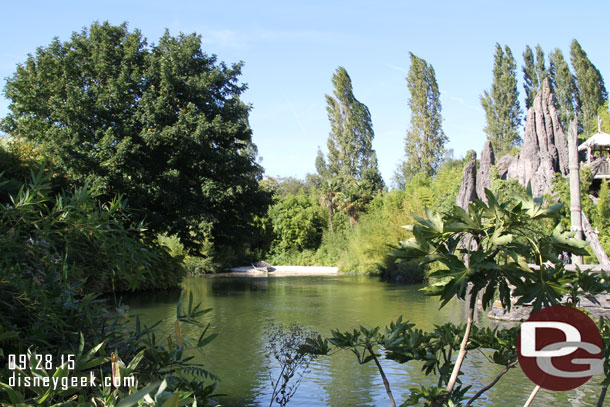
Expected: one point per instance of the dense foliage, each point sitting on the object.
(51, 318)
(73, 235)
(57, 250)
(298, 222)
(161, 125)
(363, 248)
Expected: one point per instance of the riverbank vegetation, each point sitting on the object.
(485, 254)
(112, 145)
(59, 248)
(161, 131)
(126, 166)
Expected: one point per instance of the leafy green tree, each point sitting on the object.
(350, 149)
(591, 88)
(329, 189)
(534, 72)
(425, 141)
(501, 103)
(282, 186)
(163, 126)
(298, 223)
(564, 87)
(541, 69)
(353, 199)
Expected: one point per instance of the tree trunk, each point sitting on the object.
(353, 218)
(596, 245)
(575, 208)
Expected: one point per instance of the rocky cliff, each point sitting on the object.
(543, 153)
(468, 189)
(545, 149)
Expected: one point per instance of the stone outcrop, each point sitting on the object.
(544, 153)
(484, 174)
(545, 149)
(474, 182)
(468, 189)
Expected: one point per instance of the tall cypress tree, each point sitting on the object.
(590, 83)
(501, 103)
(534, 73)
(351, 160)
(530, 78)
(350, 151)
(541, 70)
(564, 87)
(425, 141)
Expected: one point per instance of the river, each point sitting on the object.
(244, 306)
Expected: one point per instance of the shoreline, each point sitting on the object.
(282, 271)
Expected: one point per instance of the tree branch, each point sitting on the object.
(463, 345)
(461, 355)
(532, 396)
(602, 396)
(493, 382)
(383, 377)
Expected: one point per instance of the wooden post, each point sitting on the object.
(575, 208)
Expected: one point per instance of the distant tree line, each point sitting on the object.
(578, 94)
(163, 127)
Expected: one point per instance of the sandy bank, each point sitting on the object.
(282, 271)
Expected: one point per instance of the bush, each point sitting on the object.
(298, 222)
(73, 236)
(196, 266)
(58, 250)
(52, 318)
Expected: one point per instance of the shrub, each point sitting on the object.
(74, 236)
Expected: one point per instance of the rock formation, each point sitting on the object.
(545, 149)
(468, 189)
(484, 174)
(543, 154)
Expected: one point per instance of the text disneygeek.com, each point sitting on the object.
(64, 383)
(20, 364)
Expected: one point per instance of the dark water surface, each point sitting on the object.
(243, 306)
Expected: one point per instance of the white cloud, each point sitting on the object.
(225, 38)
(398, 68)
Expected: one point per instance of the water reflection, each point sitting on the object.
(237, 286)
(242, 307)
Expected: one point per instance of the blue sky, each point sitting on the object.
(291, 49)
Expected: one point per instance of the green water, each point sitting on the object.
(242, 310)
